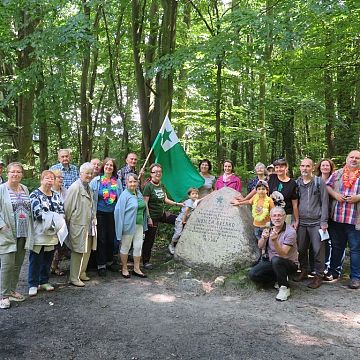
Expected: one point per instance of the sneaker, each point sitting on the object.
(354, 284)
(46, 287)
(171, 249)
(283, 294)
(33, 291)
(15, 296)
(276, 286)
(147, 266)
(329, 277)
(4, 303)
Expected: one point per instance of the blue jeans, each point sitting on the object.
(341, 235)
(39, 267)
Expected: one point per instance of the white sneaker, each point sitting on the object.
(33, 291)
(283, 294)
(4, 303)
(46, 287)
(276, 286)
(171, 249)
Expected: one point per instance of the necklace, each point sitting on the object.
(260, 216)
(108, 188)
(349, 178)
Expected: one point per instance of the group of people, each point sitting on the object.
(306, 224)
(115, 211)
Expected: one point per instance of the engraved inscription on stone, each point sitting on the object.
(218, 234)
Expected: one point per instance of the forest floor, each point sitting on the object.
(178, 313)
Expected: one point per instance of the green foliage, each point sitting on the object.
(288, 48)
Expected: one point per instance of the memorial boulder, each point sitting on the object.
(218, 234)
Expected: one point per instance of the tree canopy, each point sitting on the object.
(246, 80)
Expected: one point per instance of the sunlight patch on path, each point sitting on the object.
(161, 298)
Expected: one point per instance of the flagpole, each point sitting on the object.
(151, 150)
(146, 160)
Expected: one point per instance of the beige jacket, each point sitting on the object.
(8, 240)
(80, 217)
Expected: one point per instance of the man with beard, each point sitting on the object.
(313, 216)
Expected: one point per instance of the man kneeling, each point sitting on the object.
(280, 242)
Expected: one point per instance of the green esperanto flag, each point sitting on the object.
(179, 174)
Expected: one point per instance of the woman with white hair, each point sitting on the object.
(130, 224)
(261, 174)
(81, 220)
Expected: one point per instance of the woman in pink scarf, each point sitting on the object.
(228, 179)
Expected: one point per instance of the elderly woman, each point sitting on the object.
(107, 189)
(48, 213)
(130, 223)
(60, 250)
(81, 220)
(209, 184)
(15, 231)
(261, 174)
(155, 198)
(228, 179)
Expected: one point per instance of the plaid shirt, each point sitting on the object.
(71, 174)
(123, 172)
(345, 212)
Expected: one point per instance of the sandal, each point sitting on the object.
(15, 296)
(57, 272)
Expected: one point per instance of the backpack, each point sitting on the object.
(317, 184)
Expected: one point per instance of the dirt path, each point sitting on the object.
(171, 315)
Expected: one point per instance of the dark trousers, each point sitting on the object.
(105, 238)
(39, 267)
(150, 234)
(278, 269)
(309, 237)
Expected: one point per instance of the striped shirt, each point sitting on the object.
(71, 174)
(345, 212)
(123, 172)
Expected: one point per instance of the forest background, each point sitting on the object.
(246, 80)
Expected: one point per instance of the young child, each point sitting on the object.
(261, 204)
(189, 206)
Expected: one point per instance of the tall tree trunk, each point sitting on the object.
(84, 149)
(262, 81)
(164, 82)
(345, 138)
(329, 112)
(43, 128)
(183, 74)
(87, 85)
(143, 103)
(219, 148)
(26, 99)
